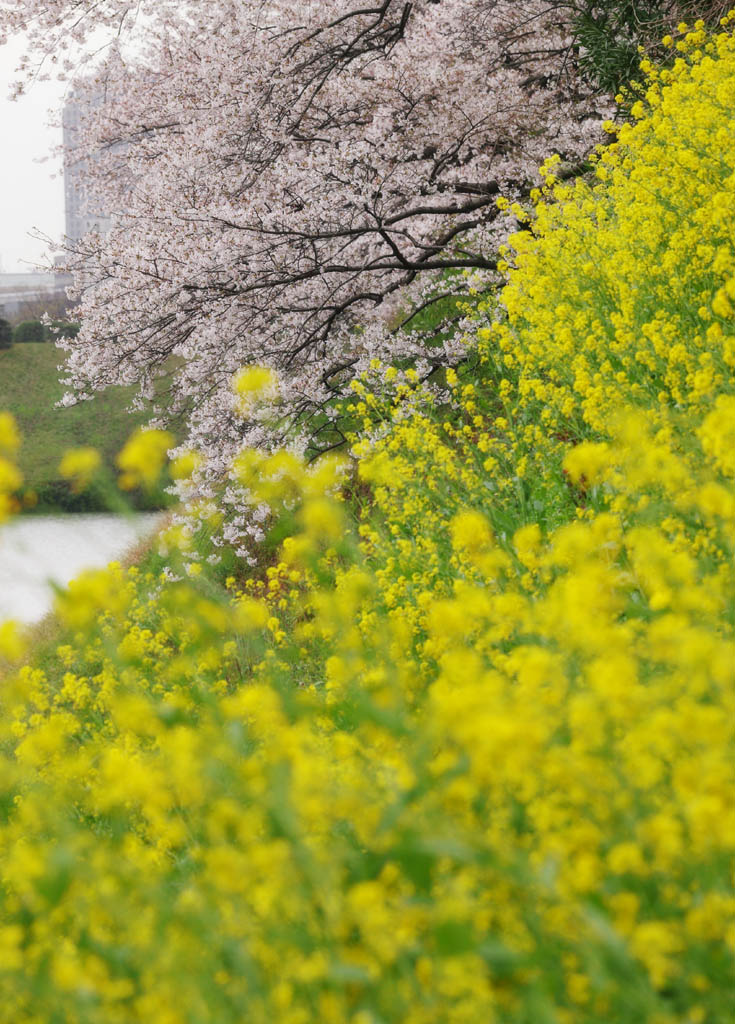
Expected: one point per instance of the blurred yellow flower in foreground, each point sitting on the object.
(252, 384)
(185, 465)
(12, 644)
(10, 477)
(9, 436)
(143, 458)
(79, 465)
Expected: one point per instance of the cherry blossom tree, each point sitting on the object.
(286, 176)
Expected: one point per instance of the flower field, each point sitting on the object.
(463, 750)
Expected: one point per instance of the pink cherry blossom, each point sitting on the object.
(284, 176)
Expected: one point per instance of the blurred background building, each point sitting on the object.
(82, 214)
(28, 296)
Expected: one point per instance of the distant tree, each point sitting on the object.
(53, 303)
(29, 330)
(61, 329)
(6, 334)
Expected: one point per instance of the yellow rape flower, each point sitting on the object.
(9, 436)
(322, 520)
(717, 434)
(185, 465)
(78, 465)
(254, 385)
(470, 531)
(143, 457)
(589, 461)
(12, 642)
(10, 476)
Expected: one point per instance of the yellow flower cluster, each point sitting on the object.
(469, 758)
(254, 386)
(10, 476)
(78, 465)
(143, 457)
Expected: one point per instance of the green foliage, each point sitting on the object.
(610, 34)
(29, 331)
(62, 329)
(6, 334)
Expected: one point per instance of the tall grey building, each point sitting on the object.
(82, 213)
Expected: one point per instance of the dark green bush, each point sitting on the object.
(29, 330)
(6, 334)
(59, 496)
(62, 329)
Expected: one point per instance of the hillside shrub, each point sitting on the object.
(29, 331)
(63, 329)
(470, 757)
(6, 334)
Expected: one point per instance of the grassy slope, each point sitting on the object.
(30, 388)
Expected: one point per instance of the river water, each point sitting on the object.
(38, 550)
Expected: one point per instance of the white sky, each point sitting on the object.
(31, 192)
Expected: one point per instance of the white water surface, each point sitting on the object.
(38, 550)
